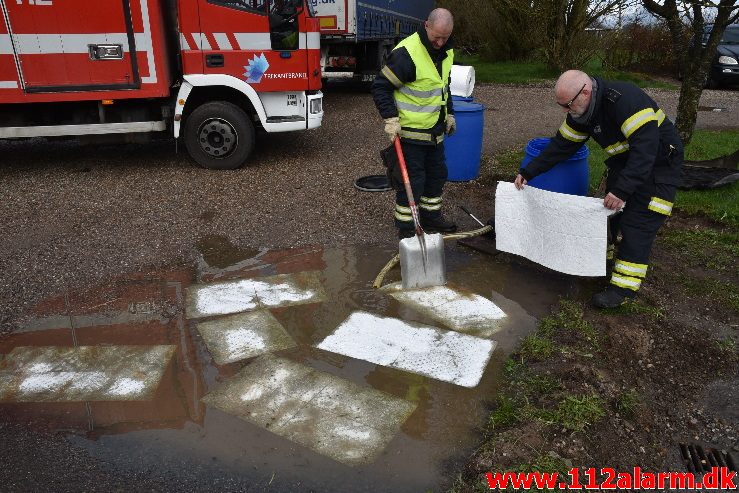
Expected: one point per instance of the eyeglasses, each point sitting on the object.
(568, 104)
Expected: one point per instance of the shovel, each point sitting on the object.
(421, 258)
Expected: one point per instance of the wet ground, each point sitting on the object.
(179, 434)
(99, 246)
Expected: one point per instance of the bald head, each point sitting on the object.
(570, 79)
(573, 91)
(439, 27)
(441, 18)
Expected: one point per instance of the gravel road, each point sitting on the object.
(75, 214)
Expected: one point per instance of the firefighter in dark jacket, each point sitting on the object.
(412, 95)
(644, 163)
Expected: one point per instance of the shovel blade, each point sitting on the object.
(418, 272)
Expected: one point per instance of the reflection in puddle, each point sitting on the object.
(219, 252)
(414, 452)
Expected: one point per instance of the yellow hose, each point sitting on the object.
(454, 236)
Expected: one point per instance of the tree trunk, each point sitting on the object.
(687, 107)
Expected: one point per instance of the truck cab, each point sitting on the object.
(210, 72)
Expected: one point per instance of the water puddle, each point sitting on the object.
(264, 390)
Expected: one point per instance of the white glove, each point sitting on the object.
(392, 127)
(451, 125)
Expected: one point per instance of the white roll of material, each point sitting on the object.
(463, 80)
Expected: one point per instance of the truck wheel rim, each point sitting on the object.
(217, 137)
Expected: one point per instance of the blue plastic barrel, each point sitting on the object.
(571, 176)
(464, 147)
(466, 99)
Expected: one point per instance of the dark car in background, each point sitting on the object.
(725, 65)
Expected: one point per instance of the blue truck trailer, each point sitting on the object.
(357, 36)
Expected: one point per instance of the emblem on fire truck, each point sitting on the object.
(256, 68)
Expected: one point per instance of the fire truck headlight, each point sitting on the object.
(316, 106)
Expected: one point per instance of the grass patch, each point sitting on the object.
(508, 163)
(594, 67)
(538, 348)
(727, 345)
(627, 403)
(507, 72)
(523, 386)
(578, 412)
(569, 317)
(725, 293)
(505, 414)
(533, 72)
(546, 463)
(573, 412)
(717, 250)
(637, 307)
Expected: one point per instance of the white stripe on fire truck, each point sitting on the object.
(6, 47)
(222, 41)
(253, 41)
(8, 84)
(144, 43)
(313, 42)
(184, 45)
(201, 41)
(45, 44)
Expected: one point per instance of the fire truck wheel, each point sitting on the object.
(219, 135)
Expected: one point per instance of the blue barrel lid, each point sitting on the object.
(535, 146)
(464, 106)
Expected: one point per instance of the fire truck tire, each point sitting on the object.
(219, 135)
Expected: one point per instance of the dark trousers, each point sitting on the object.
(427, 173)
(644, 213)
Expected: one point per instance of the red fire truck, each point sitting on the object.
(209, 71)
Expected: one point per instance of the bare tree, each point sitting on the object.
(686, 20)
(563, 23)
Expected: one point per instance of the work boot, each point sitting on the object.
(438, 225)
(406, 233)
(612, 297)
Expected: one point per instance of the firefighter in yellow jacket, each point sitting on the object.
(412, 95)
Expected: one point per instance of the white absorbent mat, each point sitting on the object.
(244, 335)
(566, 233)
(334, 417)
(240, 295)
(83, 373)
(461, 311)
(440, 354)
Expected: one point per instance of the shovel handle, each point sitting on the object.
(409, 193)
(401, 159)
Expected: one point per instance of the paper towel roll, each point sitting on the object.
(463, 80)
